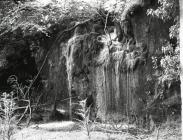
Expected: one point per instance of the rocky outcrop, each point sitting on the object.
(113, 69)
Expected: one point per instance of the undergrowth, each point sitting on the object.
(84, 112)
(7, 116)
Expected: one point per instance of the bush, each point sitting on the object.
(8, 116)
(84, 113)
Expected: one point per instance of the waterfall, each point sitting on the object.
(69, 72)
(70, 95)
(73, 64)
(127, 93)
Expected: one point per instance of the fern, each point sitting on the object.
(84, 113)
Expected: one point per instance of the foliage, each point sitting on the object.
(8, 116)
(168, 62)
(84, 112)
(115, 6)
(167, 9)
(17, 89)
(20, 95)
(37, 16)
(34, 16)
(170, 66)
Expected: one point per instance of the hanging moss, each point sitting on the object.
(119, 55)
(129, 60)
(103, 57)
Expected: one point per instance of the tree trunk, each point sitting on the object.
(181, 49)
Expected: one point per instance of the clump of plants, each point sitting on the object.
(7, 116)
(84, 113)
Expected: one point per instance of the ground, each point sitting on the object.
(71, 131)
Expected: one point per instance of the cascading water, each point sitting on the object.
(127, 95)
(69, 73)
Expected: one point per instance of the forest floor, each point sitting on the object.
(70, 131)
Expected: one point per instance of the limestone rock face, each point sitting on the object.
(120, 83)
(111, 69)
(114, 72)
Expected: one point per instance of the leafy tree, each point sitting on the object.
(167, 9)
(169, 61)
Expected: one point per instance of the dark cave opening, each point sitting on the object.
(20, 63)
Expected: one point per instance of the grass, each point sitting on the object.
(39, 133)
(68, 130)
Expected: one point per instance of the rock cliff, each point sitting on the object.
(110, 64)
